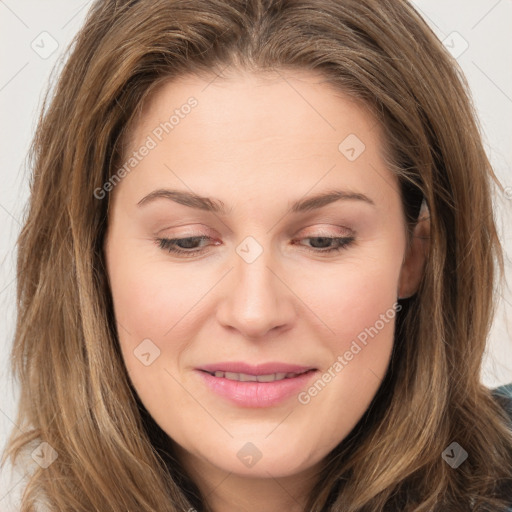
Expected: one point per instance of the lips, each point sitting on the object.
(264, 385)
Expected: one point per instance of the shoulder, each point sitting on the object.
(503, 395)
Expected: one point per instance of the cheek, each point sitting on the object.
(358, 304)
(154, 309)
(145, 303)
(350, 296)
(151, 303)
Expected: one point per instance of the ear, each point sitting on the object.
(415, 256)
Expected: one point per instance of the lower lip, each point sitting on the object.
(257, 394)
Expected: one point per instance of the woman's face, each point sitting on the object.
(261, 286)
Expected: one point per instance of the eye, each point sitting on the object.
(188, 244)
(191, 246)
(333, 243)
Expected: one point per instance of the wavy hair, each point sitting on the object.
(75, 390)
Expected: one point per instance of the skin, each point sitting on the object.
(258, 142)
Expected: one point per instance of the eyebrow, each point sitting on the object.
(210, 204)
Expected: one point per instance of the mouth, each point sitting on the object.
(247, 377)
(265, 385)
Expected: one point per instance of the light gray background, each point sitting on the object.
(477, 32)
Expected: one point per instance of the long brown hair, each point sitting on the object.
(75, 391)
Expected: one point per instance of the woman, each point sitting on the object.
(257, 271)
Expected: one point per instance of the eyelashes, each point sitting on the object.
(172, 245)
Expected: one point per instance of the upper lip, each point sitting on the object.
(260, 369)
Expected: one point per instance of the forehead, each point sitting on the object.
(242, 105)
(253, 129)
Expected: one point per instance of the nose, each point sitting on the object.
(256, 298)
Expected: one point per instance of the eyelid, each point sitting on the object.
(169, 244)
(318, 232)
(188, 231)
(323, 231)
